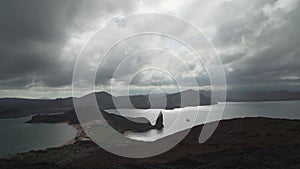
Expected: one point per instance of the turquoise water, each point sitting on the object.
(17, 136)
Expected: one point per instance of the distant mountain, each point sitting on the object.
(247, 96)
(187, 98)
(15, 107)
(168, 101)
(104, 99)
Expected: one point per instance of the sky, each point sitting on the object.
(258, 42)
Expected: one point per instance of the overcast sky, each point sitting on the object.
(258, 42)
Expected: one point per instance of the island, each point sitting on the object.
(21, 107)
(118, 122)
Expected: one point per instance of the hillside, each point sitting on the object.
(238, 143)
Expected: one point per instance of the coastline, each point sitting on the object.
(21, 137)
(80, 134)
(244, 140)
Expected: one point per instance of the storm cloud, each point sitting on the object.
(258, 42)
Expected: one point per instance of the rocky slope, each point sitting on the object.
(238, 143)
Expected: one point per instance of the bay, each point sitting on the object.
(184, 118)
(17, 136)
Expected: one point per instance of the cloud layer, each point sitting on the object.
(258, 42)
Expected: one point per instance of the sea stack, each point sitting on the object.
(159, 121)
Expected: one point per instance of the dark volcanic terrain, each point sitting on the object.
(238, 143)
(118, 122)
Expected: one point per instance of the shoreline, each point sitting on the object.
(246, 140)
(21, 122)
(80, 134)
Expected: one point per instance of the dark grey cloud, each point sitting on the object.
(34, 34)
(258, 41)
(237, 21)
(274, 55)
